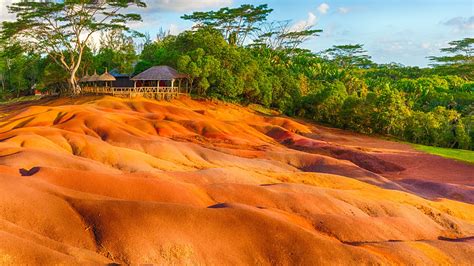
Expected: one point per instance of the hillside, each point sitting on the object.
(200, 182)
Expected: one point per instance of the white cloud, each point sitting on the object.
(343, 10)
(175, 29)
(426, 45)
(461, 23)
(323, 8)
(310, 21)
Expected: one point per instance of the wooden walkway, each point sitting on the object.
(160, 93)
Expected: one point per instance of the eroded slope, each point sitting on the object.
(189, 182)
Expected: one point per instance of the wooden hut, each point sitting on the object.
(84, 79)
(90, 83)
(106, 79)
(94, 78)
(103, 83)
(160, 80)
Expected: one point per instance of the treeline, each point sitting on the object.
(235, 54)
(22, 71)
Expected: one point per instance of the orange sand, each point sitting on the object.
(199, 182)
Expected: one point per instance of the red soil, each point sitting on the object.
(198, 182)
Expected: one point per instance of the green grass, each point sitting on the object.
(461, 155)
(20, 99)
(262, 109)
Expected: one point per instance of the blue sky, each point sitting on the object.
(403, 31)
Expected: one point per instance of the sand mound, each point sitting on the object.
(102, 180)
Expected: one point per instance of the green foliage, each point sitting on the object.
(236, 24)
(459, 61)
(326, 105)
(19, 71)
(117, 51)
(351, 55)
(62, 29)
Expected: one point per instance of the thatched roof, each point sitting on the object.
(85, 78)
(159, 73)
(106, 77)
(94, 77)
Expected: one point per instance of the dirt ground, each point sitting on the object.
(134, 181)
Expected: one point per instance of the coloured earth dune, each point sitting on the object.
(133, 181)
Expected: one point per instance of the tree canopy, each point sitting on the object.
(236, 24)
(459, 59)
(63, 29)
(349, 55)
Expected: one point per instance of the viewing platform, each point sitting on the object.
(159, 93)
(157, 82)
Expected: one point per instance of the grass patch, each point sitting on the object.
(20, 99)
(263, 110)
(461, 155)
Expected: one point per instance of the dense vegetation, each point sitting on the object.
(229, 57)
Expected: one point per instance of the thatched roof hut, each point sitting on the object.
(106, 77)
(159, 73)
(84, 78)
(94, 77)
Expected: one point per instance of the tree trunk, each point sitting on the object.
(74, 88)
(3, 86)
(190, 88)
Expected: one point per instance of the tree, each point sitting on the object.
(326, 105)
(199, 67)
(117, 51)
(19, 70)
(462, 52)
(350, 55)
(460, 58)
(63, 29)
(389, 111)
(281, 35)
(236, 24)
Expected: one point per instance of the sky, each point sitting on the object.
(402, 31)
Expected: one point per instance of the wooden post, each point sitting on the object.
(172, 88)
(158, 92)
(134, 87)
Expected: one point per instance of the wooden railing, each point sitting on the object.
(149, 92)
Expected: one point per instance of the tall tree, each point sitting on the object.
(462, 51)
(117, 51)
(236, 24)
(349, 55)
(460, 58)
(282, 35)
(62, 29)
